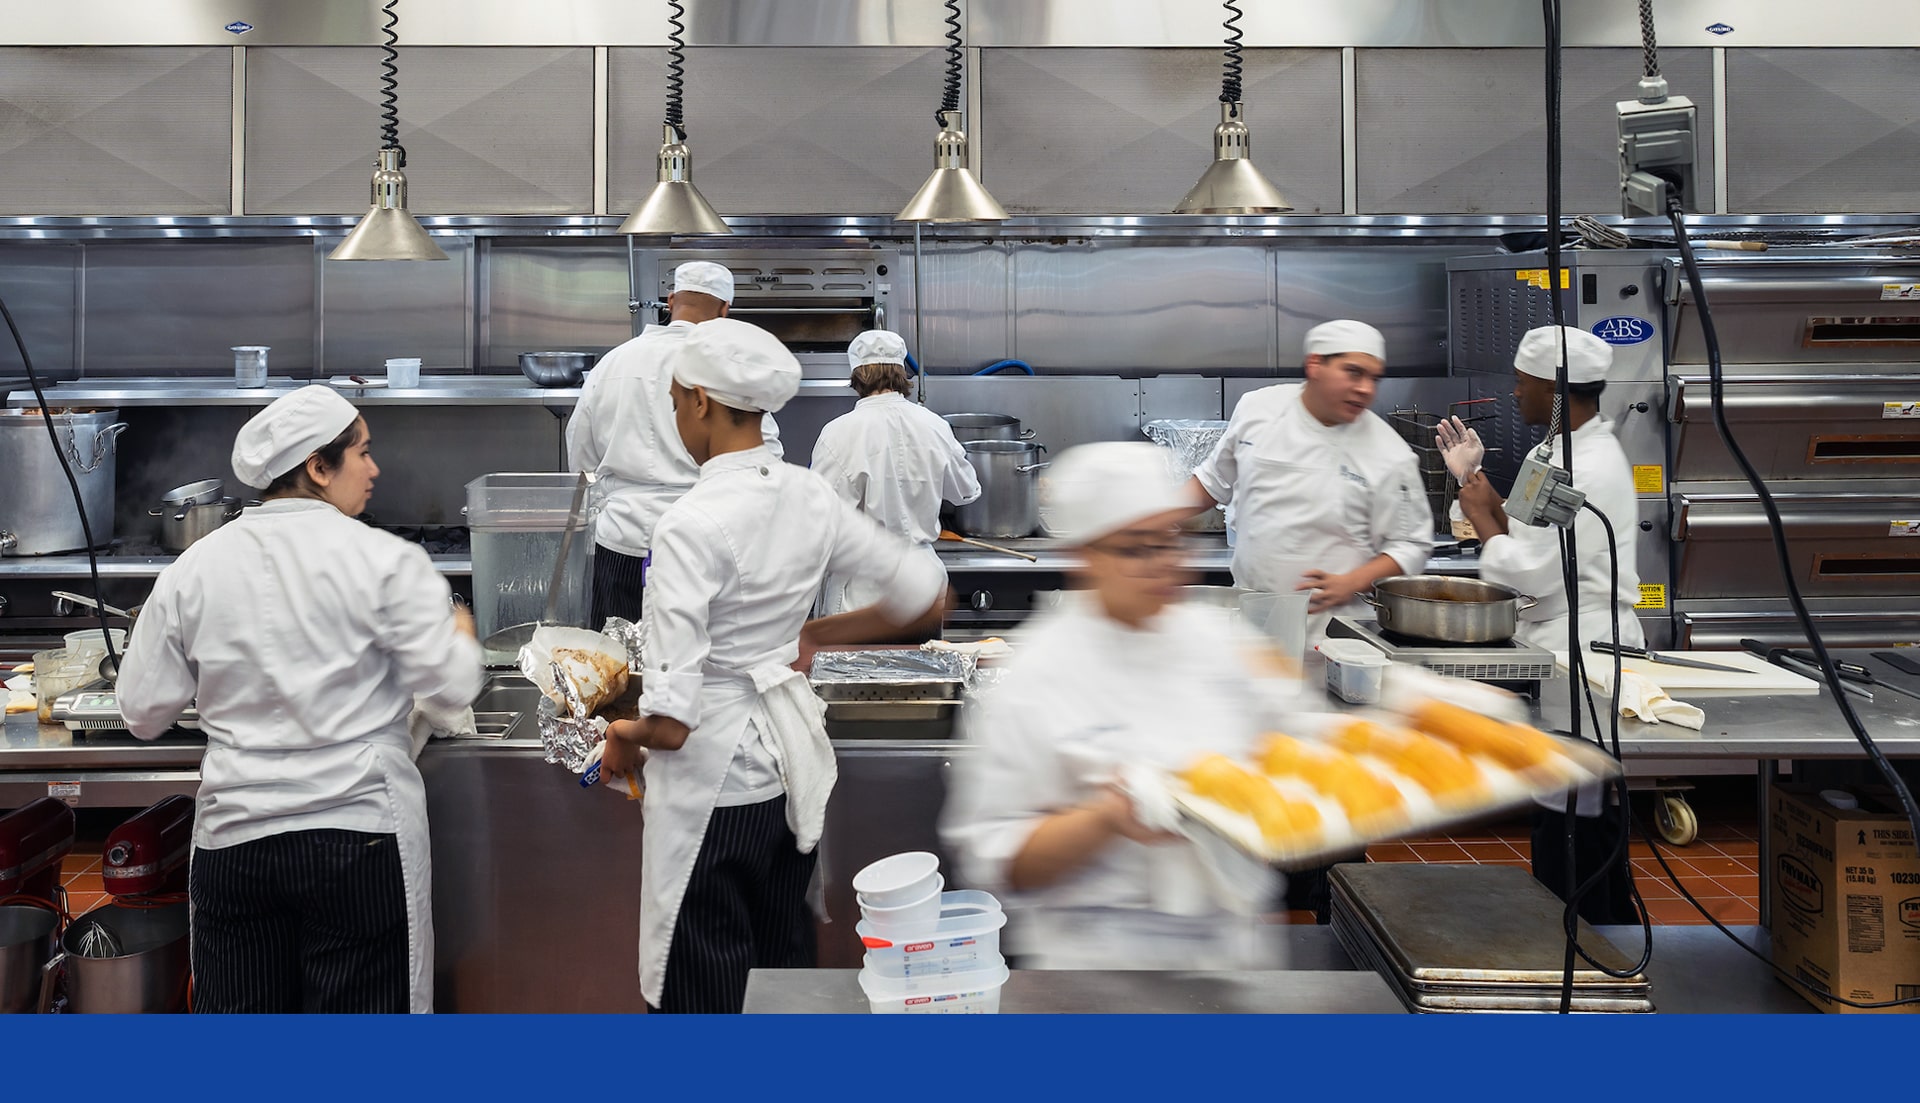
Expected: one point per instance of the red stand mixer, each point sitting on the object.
(147, 855)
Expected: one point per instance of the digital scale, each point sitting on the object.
(96, 707)
(1509, 664)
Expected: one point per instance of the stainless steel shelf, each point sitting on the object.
(445, 390)
(53, 567)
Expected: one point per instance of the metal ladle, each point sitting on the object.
(92, 604)
(517, 636)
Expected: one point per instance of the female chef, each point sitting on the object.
(1119, 673)
(306, 638)
(891, 459)
(740, 768)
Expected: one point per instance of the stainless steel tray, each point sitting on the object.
(1474, 924)
(888, 674)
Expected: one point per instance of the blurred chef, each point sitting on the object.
(1120, 673)
(1528, 557)
(1326, 496)
(622, 430)
(740, 768)
(306, 637)
(891, 459)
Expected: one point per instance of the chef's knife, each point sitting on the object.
(1664, 658)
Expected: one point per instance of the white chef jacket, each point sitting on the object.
(1083, 696)
(895, 461)
(623, 430)
(1528, 557)
(305, 636)
(1309, 496)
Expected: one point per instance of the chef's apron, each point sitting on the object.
(683, 788)
(846, 593)
(401, 794)
(1294, 517)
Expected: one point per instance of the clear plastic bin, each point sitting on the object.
(1355, 670)
(59, 672)
(519, 521)
(966, 938)
(975, 992)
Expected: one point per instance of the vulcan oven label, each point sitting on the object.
(68, 791)
(1623, 329)
(1899, 291)
(1537, 277)
(1652, 596)
(1903, 528)
(1890, 411)
(1649, 478)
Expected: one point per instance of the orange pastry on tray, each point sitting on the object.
(1438, 766)
(1511, 745)
(1224, 781)
(1361, 792)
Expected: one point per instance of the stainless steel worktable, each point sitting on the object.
(1695, 970)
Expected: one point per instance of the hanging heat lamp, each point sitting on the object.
(387, 231)
(1232, 185)
(952, 193)
(675, 206)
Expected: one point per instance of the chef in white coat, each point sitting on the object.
(739, 768)
(1528, 557)
(1121, 672)
(1326, 496)
(622, 430)
(891, 459)
(306, 639)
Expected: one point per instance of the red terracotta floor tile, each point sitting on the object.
(1301, 918)
(83, 883)
(79, 863)
(1742, 848)
(80, 903)
(1655, 888)
(1746, 886)
(1673, 912)
(1491, 851)
(1721, 866)
(1732, 911)
(1441, 852)
(1391, 852)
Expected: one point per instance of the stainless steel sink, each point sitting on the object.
(505, 708)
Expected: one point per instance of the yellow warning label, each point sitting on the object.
(1651, 596)
(1538, 277)
(1649, 478)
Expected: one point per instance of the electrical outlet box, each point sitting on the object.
(1658, 150)
(1543, 495)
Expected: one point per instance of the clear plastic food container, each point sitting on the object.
(974, 992)
(1355, 670)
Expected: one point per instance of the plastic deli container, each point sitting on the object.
(913, 918)
(1355, 670)
(966, 938)
(974, 992)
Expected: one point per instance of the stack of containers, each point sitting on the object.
(928, 951)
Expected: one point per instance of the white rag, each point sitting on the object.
(1643, 699)
(427, 724)
(791, 719)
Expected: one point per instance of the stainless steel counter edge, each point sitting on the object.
(434, 390)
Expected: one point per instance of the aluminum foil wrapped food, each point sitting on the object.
(892, 666)
(569, 732)
(596, 665)
(626, 633)
(1189, 441)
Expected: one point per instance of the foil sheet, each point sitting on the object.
(627, 633)
(569, 738)
(894, 666)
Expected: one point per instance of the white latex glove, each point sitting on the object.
(1460, 447)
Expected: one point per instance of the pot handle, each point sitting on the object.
(50, 980)
(1371, 599)
(1026, 467)
(1526, 603)
(155, 512)
(234, 511)
(1027, 434)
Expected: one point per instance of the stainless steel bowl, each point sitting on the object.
(556, 369)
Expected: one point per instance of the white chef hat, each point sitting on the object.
(1096, 489)
(877, 346)
(739, 364)
(281, 437)
(705, 277)
(1346, 335)
(1588, 357)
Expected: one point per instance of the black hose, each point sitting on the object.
(1649, 49)
(1230, 77)
(1676, 214)
(950, 93)
(676, 68)
(73, 485)
(390, 85)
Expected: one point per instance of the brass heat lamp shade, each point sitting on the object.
(1232, 185)
(951, 194)
(387, 231)
(674, 206)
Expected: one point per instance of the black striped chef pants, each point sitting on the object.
(308, 921)
(619, 580)
(745, 908)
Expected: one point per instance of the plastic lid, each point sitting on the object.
(1840, 798)
(1353, 652)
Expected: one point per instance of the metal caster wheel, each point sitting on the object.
(1678, 825)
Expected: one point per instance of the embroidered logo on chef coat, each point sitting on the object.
(1351, 475)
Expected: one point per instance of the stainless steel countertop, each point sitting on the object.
(56, 567)
(1695, 970)
(434, 390)
(27, 744)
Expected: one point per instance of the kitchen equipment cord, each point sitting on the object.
(1230, 74)
(950, 91)
(390, 84)
(676, 67)
(1717, 386)
(1649, 49)
(73, 485)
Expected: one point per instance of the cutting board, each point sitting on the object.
(1684, 683)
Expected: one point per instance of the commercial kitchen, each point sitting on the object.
(175, 211)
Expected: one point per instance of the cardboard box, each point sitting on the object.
(1845, 894)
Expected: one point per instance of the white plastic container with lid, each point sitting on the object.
(1355, 670)
(403, 372)
(90, 639)
(974, 992)
(967, 937)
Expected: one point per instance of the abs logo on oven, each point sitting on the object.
(1623, 329)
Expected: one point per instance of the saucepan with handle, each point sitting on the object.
(1447, 609)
